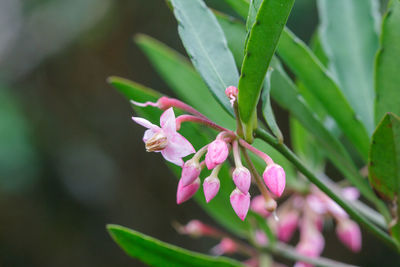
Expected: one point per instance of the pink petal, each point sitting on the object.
(177, 148)
(350, 235)
(190, 171)
(149, 134)
(274, 178)
(242, 179)
(217, 153)
(350, 193)
(145, 123)
(258, 205)
(167, 121)
(240, 203)
(287, 225)
(184, 193)
(210, 187)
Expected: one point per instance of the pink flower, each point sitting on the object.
(242, 179)
(166, 140)
(226, 246)
(210, 187)
(260, 238)
(274, 178)
(190, 171)
(217, 153)
(196, 228)
(287, 225)
(349, 233)
(240, 203)
(258, 205)
(184, 193)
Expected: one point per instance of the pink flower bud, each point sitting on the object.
(287, 225)
(258, 205)
(242, 179)
(312, 242)
(217, 153)
(252, 262)
(210, 187)
(232, 92)
(350, 193)
(274, 178)
(184, 193)
(190, 171)
(349, 233)
(226, 246)
(196, 228)
(240, 203)
(260, 238)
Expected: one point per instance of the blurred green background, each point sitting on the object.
(71, 160)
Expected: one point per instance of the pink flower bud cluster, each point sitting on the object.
(174, 147)
(307, 213)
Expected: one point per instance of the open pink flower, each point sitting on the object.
(166, 139)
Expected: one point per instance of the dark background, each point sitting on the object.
(71, 160)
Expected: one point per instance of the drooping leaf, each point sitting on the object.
(348, 33)
(284, 91)
(264, 35)
(160, 254)
(178, 73)
(317, 79)
(384, 157)
(219, 208)
(387, 64)
(267, 109)
(206, 46)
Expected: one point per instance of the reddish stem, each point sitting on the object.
(257, 152)
(166, 102)
(203, 121)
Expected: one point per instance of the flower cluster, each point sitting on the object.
(308, 213)
(174, 147)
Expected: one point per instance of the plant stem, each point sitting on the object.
(285, 151)
(257, 152)
(270, 203)
(191, 118)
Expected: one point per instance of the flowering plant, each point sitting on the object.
(219, 145)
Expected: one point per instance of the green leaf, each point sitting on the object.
(284, 91)
(316, 78)
(206, 45)
(264, 35)
(387, 64)
(267, 109)
(219, 208)
(348, 33)
(305, 145)
(384, 158)
(239, 6)
(178, 73)
(235, 35)
(157, 253)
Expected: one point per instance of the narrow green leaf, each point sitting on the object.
(384, 157)
(206, 45)
(348, 33)
(160, 254)
(178, 73)
(316, 78)
(219, 208)
(306, 146)
(264, 35)
(267, 109)
(239, 6)
(387, 64)
(284, 91)
(235, 35)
